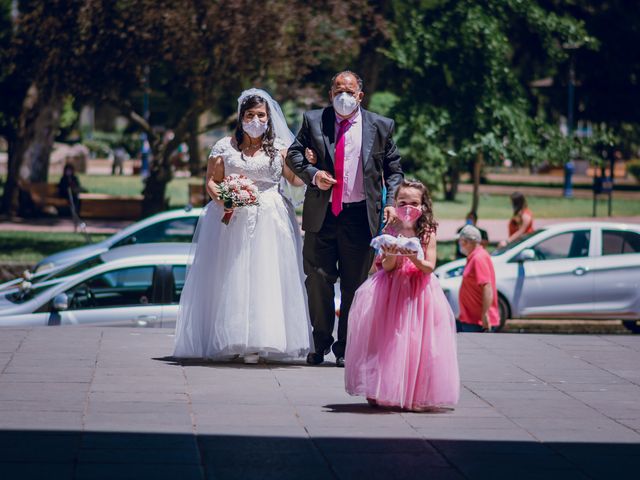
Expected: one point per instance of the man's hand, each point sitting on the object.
(389, 215)
(486, 325)
(324, 180)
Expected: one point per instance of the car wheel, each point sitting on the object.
(505, 311)
(632, 325)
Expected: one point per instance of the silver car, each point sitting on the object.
(133, 286)
(588, 270)
(170, 226)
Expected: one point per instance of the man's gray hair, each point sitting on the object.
(470, 233)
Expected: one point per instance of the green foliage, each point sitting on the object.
(633, 167)
(460, 93)
(69, 115)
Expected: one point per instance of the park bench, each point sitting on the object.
(117, 207)
(92, 205)
(43, 195)
(198, 196)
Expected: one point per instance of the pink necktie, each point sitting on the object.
(336, 194)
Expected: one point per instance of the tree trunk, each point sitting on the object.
(477, 170)
(195, 160)
(450, 182)
(10, 194)
(155, 187)
(39, 149)
(30, 148)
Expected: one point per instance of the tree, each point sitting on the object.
(463, 104)
(201, 54)
(38, 65)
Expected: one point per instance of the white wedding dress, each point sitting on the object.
(244, 292)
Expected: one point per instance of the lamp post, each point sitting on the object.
(569, 166)
(144, 153)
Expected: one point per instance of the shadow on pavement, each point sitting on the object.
(236, 363)
(119, 455)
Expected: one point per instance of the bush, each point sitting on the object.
(633, 167)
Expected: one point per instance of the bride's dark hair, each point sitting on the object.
(269, 136)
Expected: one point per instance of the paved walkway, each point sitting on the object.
(92, 403)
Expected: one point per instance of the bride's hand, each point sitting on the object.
(310, 155)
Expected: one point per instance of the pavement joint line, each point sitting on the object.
(194, 425)
(589, 406)
(15, 351)
(318, 450)
(85, 410)
(435, 447)
(549, 445)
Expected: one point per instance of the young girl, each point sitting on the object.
(401, 345)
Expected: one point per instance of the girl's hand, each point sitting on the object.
(390, 250)
(410, 254)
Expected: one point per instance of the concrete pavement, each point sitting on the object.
(90, 403)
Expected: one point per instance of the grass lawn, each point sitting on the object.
(491, 206)
(31, 247)
(499, 206)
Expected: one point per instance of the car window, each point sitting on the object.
(179, 274)
(117, 288)
(175, 230)
(565, 245)
(515, 243)
(78, 267)
(618, 242)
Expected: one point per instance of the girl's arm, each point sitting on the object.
(215, 175)
(427, 265)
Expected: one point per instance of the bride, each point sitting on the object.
(244, 294)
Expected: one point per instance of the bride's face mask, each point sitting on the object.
(408, 214)
(255, 128)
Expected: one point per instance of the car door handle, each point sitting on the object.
(579, 271)
(144, 320)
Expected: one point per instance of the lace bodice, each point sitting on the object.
(265, 173)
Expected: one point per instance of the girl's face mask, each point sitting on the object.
(408, 214)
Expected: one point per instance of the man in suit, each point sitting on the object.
(353, 154)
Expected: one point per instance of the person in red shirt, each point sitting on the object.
(521, 222)
(478, 297)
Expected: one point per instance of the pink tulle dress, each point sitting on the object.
(401, 346)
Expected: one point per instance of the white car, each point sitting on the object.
(587, 270)
(132, 286)
(171, 226)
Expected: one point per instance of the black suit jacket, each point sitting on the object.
(380, 162)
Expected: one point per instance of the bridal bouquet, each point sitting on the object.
(237, 191)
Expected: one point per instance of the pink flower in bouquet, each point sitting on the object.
(237, 191)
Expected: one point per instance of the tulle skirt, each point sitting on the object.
(401, 345)
(244, 292)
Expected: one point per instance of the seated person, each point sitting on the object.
(472, 219)
(69, 186)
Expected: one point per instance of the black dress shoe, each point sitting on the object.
(340, 362)
(315, 358)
